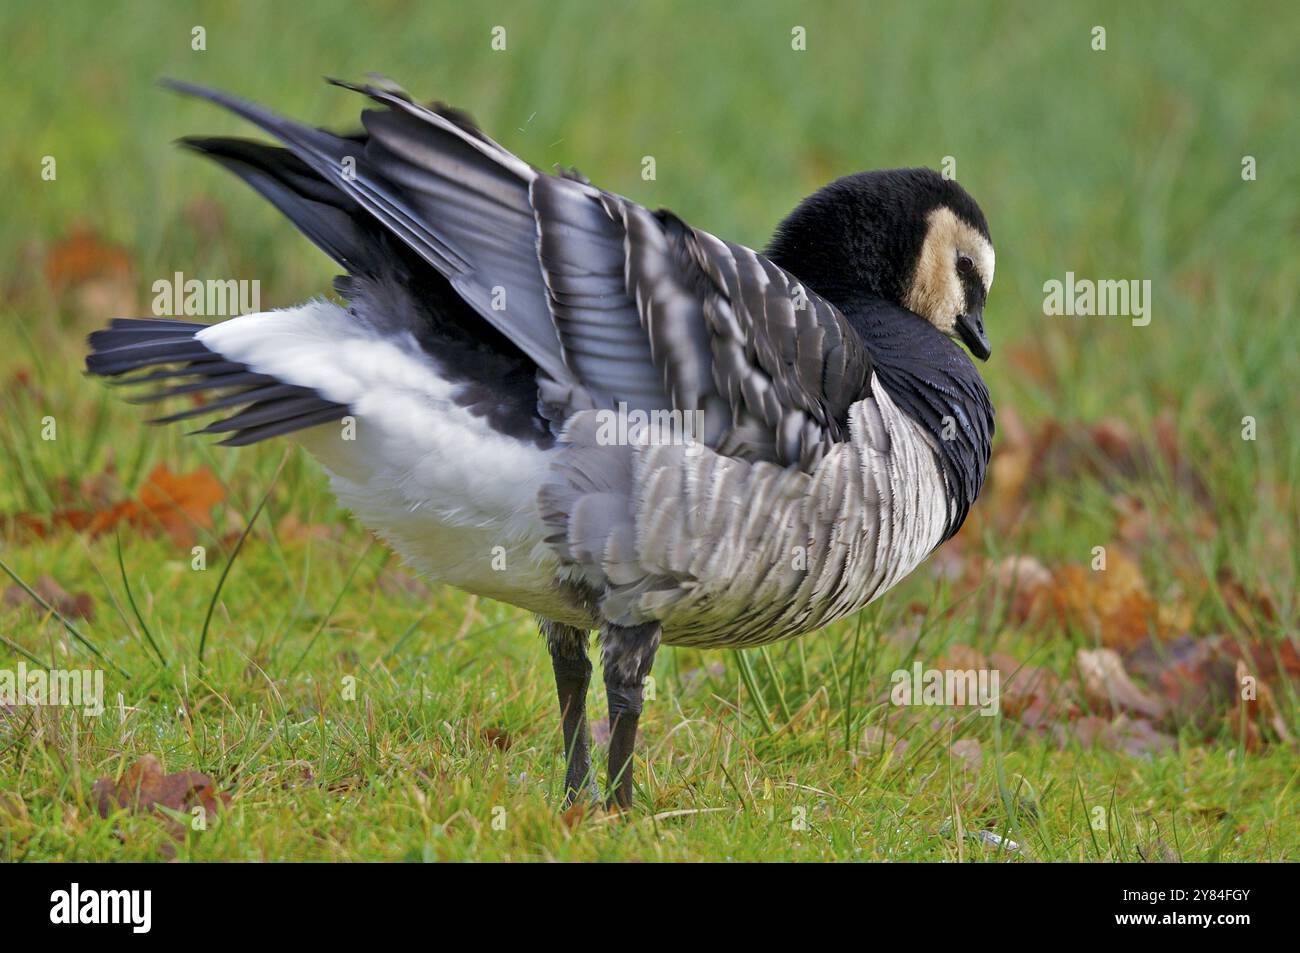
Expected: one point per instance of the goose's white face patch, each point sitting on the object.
(936, 291)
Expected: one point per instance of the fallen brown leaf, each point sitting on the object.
(1031, 694)
(1132, 736)
(1027, 581)
(1198, 682)
(178, 504)
(1272, 659)
(1114, 605)
(79, 606)
(144, 786)
(1055, 452)
(1106, 683)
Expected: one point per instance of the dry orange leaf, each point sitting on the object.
(178, 504)
(1113, 605)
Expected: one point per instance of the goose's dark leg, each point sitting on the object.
(568, 647)
(626, 655)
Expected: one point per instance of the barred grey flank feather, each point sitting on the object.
(725, 552)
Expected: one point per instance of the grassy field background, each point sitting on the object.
(351, 712)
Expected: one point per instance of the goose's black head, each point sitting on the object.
(907, 236)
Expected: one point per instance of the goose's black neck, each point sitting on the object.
(934, 382)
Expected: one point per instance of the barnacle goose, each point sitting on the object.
(498, 318)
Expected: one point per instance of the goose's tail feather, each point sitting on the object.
(171, 356)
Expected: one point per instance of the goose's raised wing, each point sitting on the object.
(614, 303)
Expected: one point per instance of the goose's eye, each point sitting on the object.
(965, 266)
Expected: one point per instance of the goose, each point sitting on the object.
(543, 393)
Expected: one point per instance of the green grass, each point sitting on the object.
(1121, 164)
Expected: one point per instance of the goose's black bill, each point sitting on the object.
(970, 327)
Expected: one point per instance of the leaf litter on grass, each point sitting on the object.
(1143, 675)
(178, 505)
(76, 606)
(145, 788)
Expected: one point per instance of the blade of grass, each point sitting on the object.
(405, 635)
(225, 571)
(130, 598)
(72, 629)
(337, 599)
(751, 684)
(22, 651)
(848, 698)
(776, 682)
